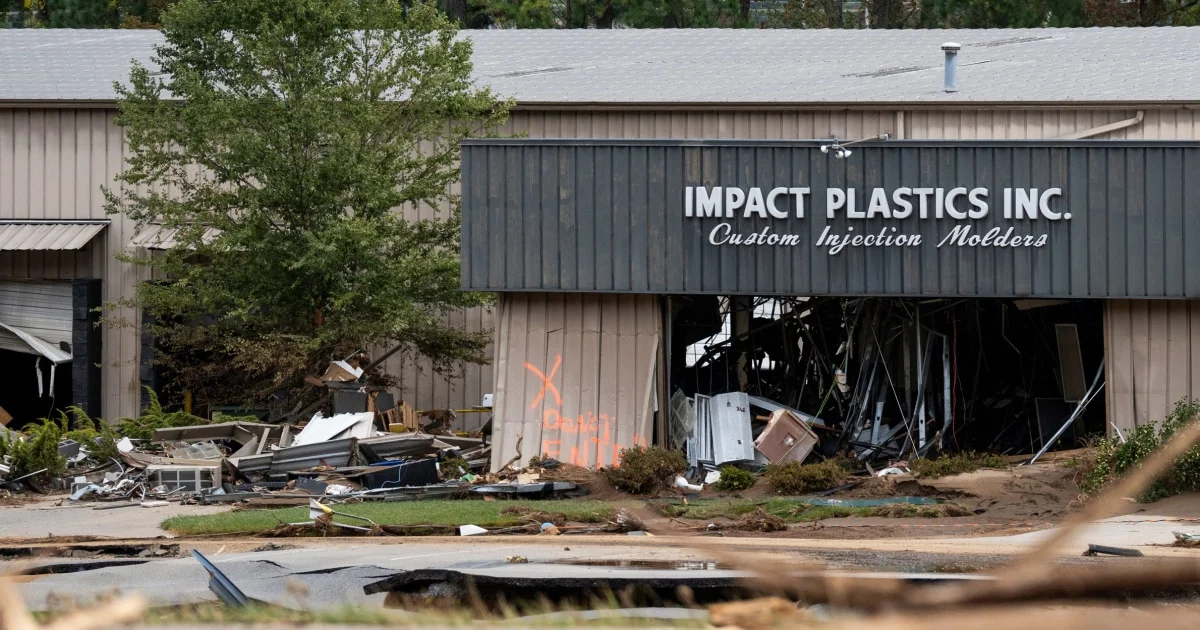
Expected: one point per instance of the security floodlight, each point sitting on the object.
(839, 148)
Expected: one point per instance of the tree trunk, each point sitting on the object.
(606, 17)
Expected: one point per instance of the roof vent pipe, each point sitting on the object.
(951, 81)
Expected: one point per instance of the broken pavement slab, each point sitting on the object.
(335, 575)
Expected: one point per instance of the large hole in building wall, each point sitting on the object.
(883, 379)
(32, 388)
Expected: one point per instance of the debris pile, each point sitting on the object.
(759, 381)
(375, 450)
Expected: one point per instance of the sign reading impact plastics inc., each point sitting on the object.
(982, 218)
(960, 205)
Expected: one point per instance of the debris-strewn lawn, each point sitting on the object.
(432, 512)
(794, 510)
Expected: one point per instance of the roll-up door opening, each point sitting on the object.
(35, 350)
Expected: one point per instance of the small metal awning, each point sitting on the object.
(48, 235)
(161, 237)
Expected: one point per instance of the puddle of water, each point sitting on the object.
(667, 565)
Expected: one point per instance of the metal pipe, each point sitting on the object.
(1110, 127)
(1097, 385)
(950, 83)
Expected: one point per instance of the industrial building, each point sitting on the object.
(694, 213)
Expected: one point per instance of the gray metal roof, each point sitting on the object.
(715, 66)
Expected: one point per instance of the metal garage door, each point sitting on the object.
(40, 308)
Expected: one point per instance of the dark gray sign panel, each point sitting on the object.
(980, 219)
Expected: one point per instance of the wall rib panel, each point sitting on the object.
(575, 376)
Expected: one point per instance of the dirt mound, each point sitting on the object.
(760, 521)
(1041, 492)
(538, 517)
(594, 481)
(870, 488)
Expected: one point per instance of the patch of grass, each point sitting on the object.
(1114, 460)
(734, 479)
(908, 510)
(812, 513)
(961, 463)
(489, 514)
(790, 510)
(797, 478)
(218, 615)
(799, 511)
(646, 470)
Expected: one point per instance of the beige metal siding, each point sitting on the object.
(53, 162)
(1149, 345)
(424, 388)
(49, 265)
(1000, 124)
(576, 376)
(747, 125)
(1151, 362)
(52, 165)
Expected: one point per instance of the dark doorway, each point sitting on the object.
(21, 394)
(910, 376)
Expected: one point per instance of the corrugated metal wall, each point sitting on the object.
(1152, 360)
(42, 309)
(425, 389)
(576, 376)
(608, 215)
(53, 161)
(52, 165)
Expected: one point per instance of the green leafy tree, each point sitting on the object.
(683, 13)
(142, 13)
(81, 13)
(1003, 13)
(807, 14)
(278, 140)
(516, 13)
(1143, 12)
(612, 13)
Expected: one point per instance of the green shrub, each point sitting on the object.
(645, 470)
(797, 478)
(1113, 459)
(38, 451)
(734, 479)
(98, 437)
(453, 468)
(965, 462)
(142, 427)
